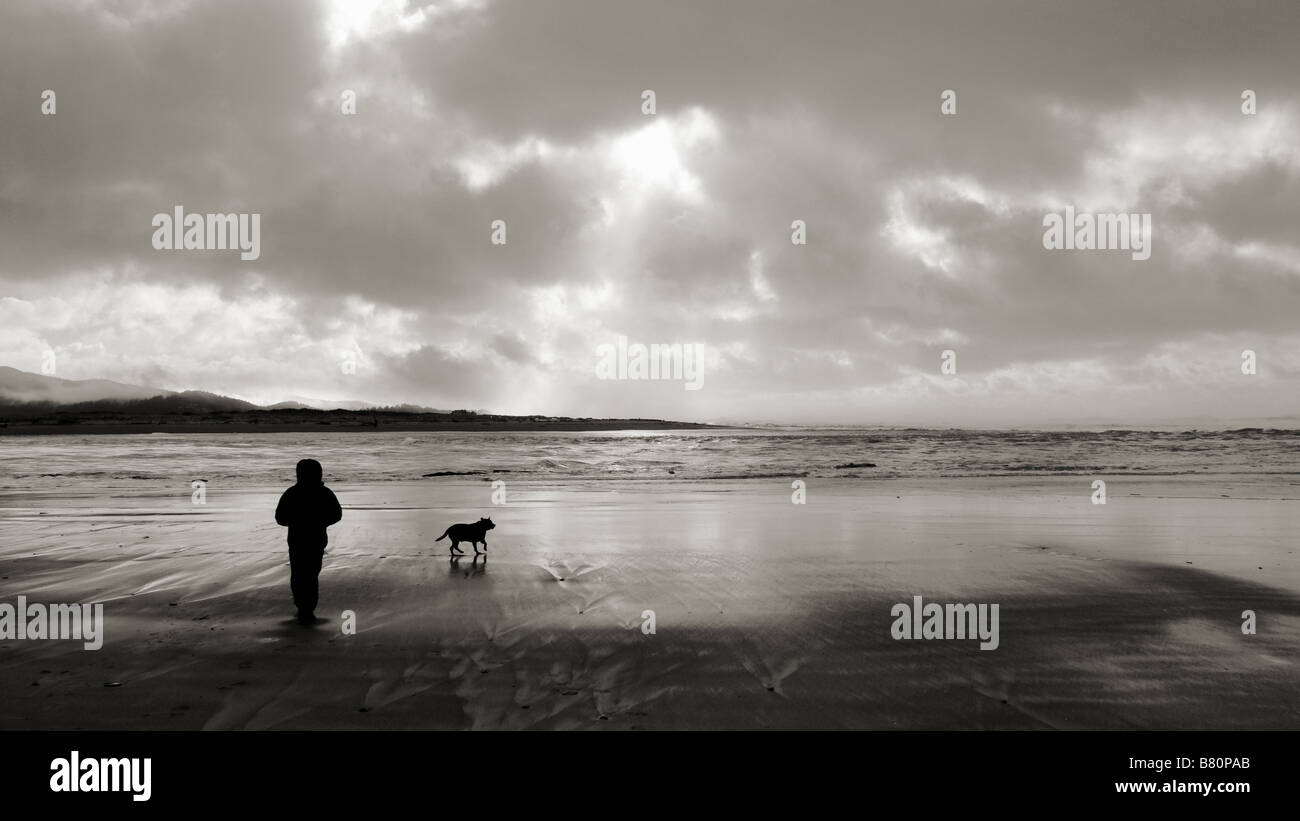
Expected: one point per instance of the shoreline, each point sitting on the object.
(119, 428)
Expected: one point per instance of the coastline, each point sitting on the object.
(338, 422)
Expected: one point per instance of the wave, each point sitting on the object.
(875, 454)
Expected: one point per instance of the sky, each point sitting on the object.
(378, 278)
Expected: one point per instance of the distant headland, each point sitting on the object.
(41, 404)
(300, 421)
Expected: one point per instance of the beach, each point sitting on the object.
(767, 614)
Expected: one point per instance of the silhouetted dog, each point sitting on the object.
(474, 534)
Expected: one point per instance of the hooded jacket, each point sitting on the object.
(308, 508)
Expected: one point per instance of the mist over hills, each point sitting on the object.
(23, 393)
(36, 404)
(22, 387)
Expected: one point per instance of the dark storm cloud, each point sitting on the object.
(924, 231)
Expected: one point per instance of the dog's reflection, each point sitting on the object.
(477, 567)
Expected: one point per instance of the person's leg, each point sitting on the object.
(304, 568)
(297, 576)
(311, 580)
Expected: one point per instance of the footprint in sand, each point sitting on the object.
(561, 571)
(564, 572)
(998, 687)
(772, 668)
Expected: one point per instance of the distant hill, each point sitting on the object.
(34, 404)
(305, 402)
(408, 408)
(21, 386)
(31, 403)
(23, 393)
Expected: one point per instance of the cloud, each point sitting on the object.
(924, 231)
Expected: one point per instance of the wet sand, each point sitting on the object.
(767, 614)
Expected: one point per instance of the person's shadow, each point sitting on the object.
(319, 621)
(292, 628)
(474, 569)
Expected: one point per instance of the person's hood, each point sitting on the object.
(310, 472)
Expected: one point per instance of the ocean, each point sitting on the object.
(159, 460)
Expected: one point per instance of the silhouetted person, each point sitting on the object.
(307, 509)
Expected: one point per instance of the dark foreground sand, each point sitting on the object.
(768, 614)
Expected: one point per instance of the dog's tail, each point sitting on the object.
(443, 536)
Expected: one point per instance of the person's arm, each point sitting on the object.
(282, 509)
(333, 511)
